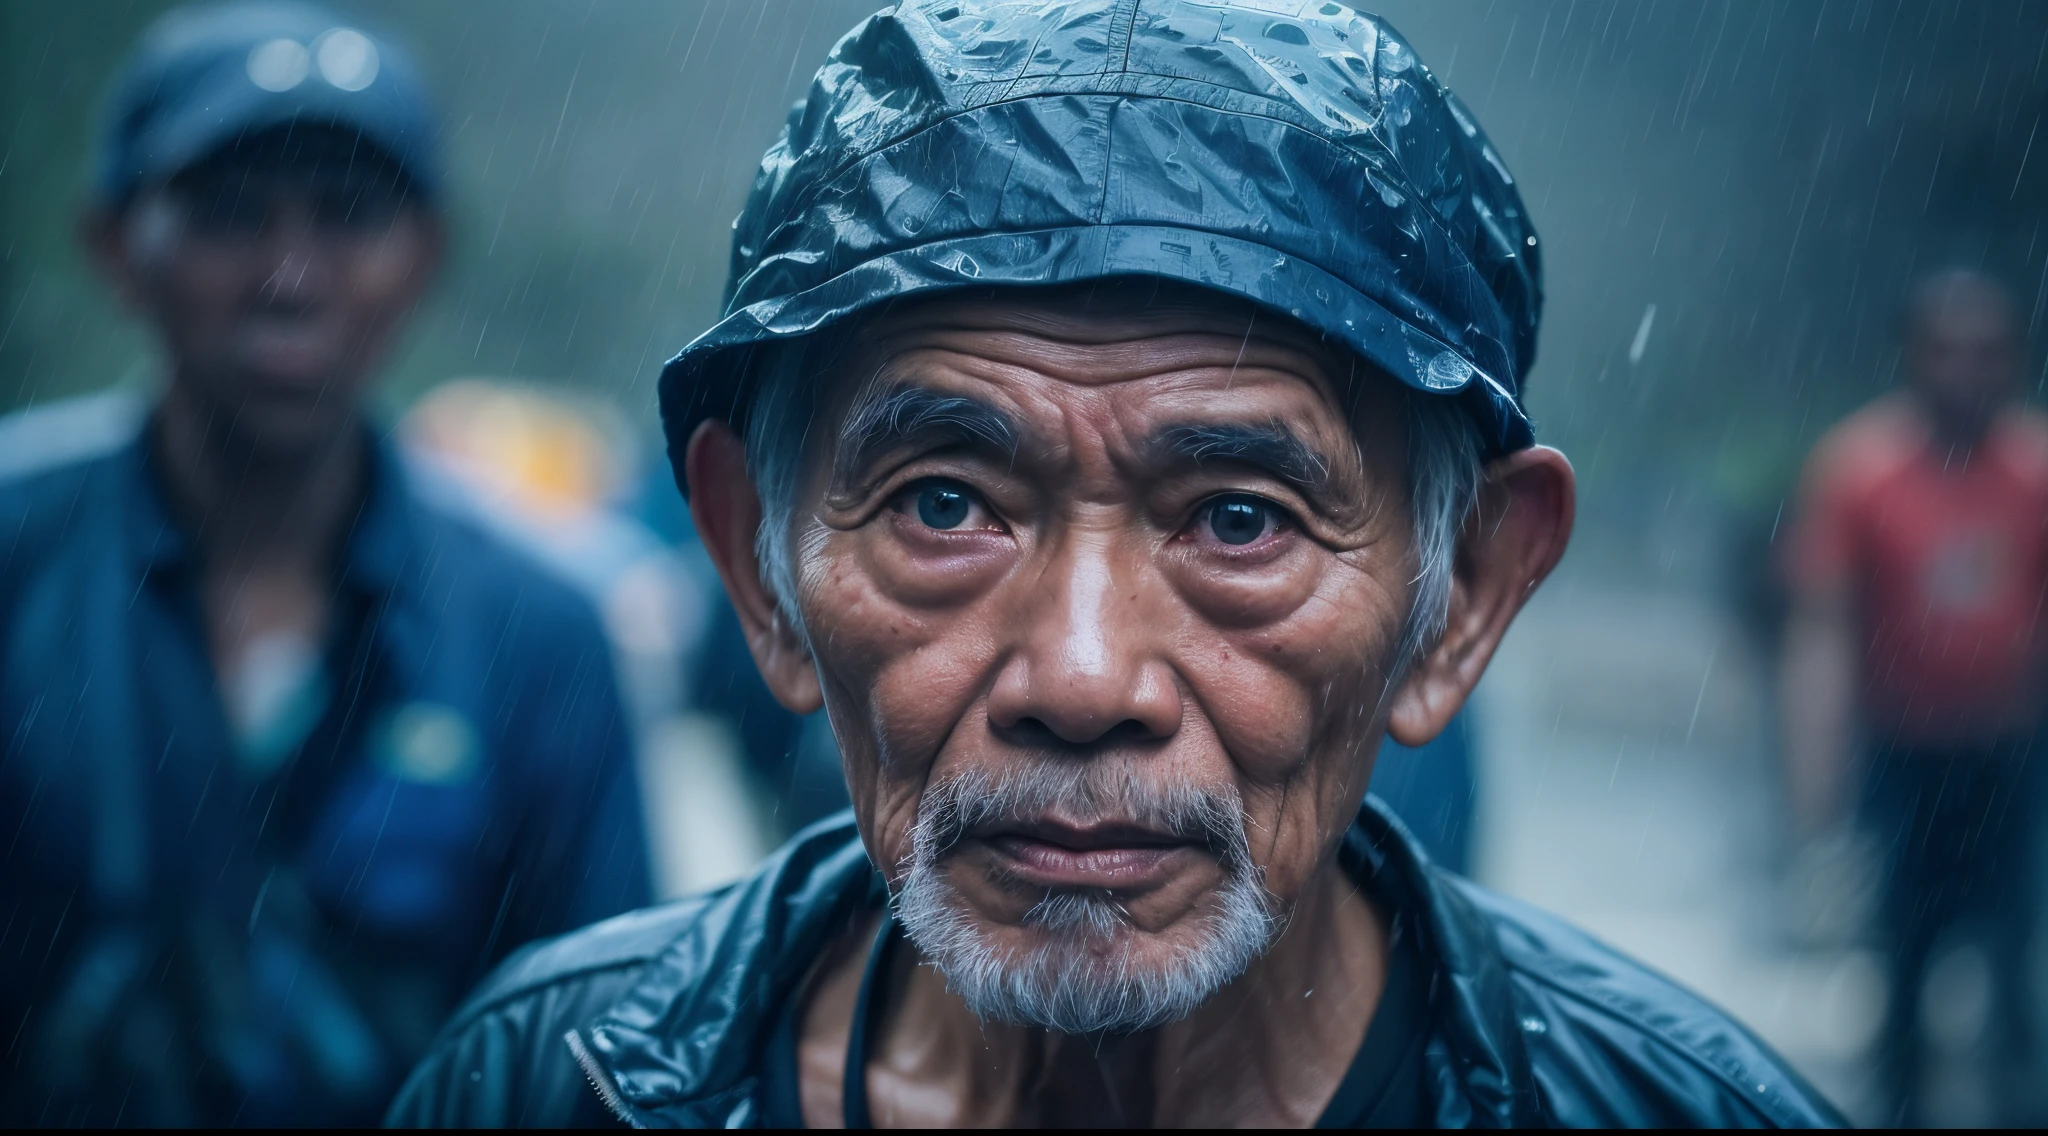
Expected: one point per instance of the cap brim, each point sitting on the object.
(708, 378)
(236, 109)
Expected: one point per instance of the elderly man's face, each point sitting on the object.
(1137, 559)
(1103, 607)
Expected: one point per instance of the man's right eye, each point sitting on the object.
(1240, 519)
(231, 218)
(942, 505)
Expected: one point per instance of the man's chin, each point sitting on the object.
(285, 427)
(1082, 924)
(1076, 964)
(1090, 932)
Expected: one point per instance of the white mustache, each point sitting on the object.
(1084, 793)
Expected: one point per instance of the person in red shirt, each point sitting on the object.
(1918, 570)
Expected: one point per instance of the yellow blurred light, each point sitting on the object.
(541, 450)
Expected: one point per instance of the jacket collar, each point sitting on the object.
(1475, 1014)
(387, 558)
(683, 1048)
(375, 554)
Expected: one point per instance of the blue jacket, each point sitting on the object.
(293, 937)
(661, 1018)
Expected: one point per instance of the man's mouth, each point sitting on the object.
(1107, 855)
(295, 354)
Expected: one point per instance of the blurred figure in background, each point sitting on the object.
(794, 759)
(559, 473)
(1434, 789)
(1914, 654)
(290, 756)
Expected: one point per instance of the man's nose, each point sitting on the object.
(299, 257)
(1086, 669)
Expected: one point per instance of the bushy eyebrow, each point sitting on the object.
(908, 417)
(1272, 449)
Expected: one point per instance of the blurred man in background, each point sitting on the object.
(287, 757)
(1918, 572)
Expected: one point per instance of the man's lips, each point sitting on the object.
(295, 355)
(1108, 856)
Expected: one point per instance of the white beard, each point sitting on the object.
(1086, 977)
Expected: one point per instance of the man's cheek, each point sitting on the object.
(1282, 696)
(1261, 715)
(197, 304)
(383, 280)
(859, 635)
(888, 821)
(906, 679)
(931, 673)
(929, 699)
(926, 579)
(1231, 599)
(1289, 831)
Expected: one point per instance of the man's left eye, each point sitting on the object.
(1240, 519)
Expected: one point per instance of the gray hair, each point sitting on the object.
(1445, 468)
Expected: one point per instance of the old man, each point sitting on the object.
(1116, 429)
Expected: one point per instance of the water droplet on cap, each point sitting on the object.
(279, 65)
(347, 58)
(1446, 372)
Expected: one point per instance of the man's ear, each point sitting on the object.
(1509, 544)
(433, 254)
(103, 234)
(728, 516)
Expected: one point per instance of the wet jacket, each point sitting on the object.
(661, 1018)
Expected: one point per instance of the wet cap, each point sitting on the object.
(203, 77)
(1297, 155)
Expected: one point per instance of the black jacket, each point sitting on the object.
(662, 1017)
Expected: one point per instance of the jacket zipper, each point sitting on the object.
(602, 1084)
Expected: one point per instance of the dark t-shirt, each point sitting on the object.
(1383, 1086)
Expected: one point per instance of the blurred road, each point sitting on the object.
(1626, 784)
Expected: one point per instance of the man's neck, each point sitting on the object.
(1955, 439)
(267, 526)
(249, 507)
(1268, 1050)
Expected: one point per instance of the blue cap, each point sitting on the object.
(203, 77)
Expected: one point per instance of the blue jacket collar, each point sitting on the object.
(376, 555)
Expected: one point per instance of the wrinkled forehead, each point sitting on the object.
(1107, 321)
(1140, 351)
